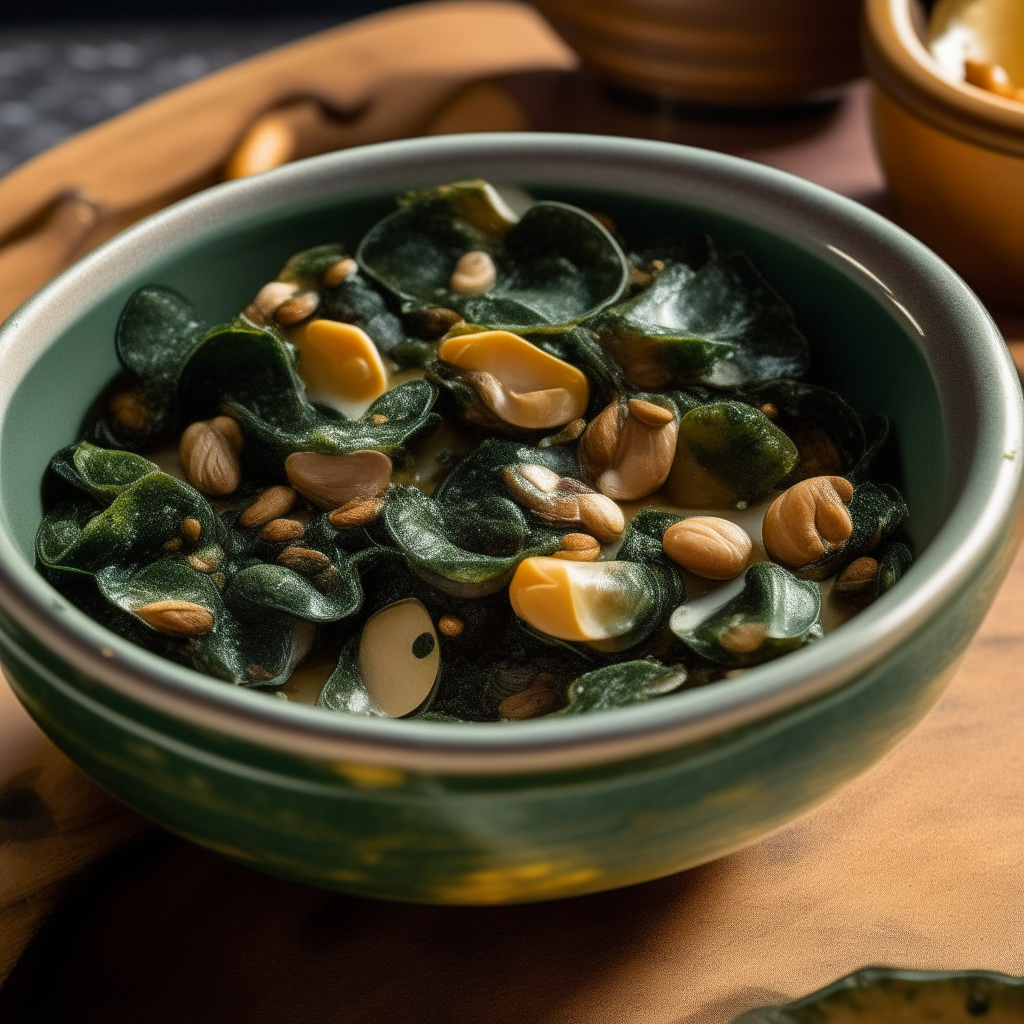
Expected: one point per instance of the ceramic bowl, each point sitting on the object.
(953, 153)
(492, 813)
(720, 52)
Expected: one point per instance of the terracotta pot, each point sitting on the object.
(729, 52)
(953, 154)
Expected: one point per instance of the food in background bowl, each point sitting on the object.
(530, 449)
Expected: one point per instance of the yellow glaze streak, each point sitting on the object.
(520, 884)
(340, 360)
(537, 391)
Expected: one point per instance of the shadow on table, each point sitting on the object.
(163, 931)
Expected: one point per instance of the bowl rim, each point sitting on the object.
(901, 64)
(976, 381)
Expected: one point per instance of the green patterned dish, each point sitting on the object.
(883, 994)
(488, 813)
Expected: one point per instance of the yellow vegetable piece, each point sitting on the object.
(581, 601)
(524, 386)
(339, 360)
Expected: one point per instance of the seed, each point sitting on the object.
(298, 308)
(770, 409)
(271, 504)
(174, 544)
(432, 324)
(255, 672)
(378, 418)
(707, 546)
(282, 529)
(205, 561)
(808, 521)
(231, 431)
(579, 547)
(179, 618)
(191, 529)
(536, 700)
(627, 450)
(268, 299)
(601, 516)
(331, 481)
(210, 463)
(304, 560)
(341, 271)
(474, 273)
(129, 412)
(451, 625)
(744, 637)
(858, 579)
(357, 512)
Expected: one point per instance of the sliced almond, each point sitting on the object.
(282, 529)
(331, 481)
(178, 618)
(304, 560)
(357, 512)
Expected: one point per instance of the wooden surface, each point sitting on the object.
(916, 864)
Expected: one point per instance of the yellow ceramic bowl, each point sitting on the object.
(726, 52)
(953, 154)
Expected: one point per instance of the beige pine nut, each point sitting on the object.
(538, 699)
(261, 310)
(209, 461)
(304, 560)
(178, 618)
(341, 271)
(298, 308)
(707, 546)
(358, 512)
(450, 625)
(282, 529)
(191, 529)
(474, 273)
(273, 503)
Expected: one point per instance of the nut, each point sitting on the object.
(808, 521)
(178, 618)
(433, 323)
(268, 299)
(474, 273)
(191, 529)
(563, 500)
(282, 529)
(858, 579)
(628, 448)
(271, 504)
(378, 419)
(129, 412)
(771, 410)
(341, 271)
(450, 625)
(298, 308)
(304, 560)
(172, 545)
(331, 481)
(744, 637)
(707, 546)
(579, 547)
(209, 461)
(357, 512)
(540, 698)
(231, 431)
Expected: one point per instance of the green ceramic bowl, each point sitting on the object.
(534, 810)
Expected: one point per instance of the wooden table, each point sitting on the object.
(916, 864)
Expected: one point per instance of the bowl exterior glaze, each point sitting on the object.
(953, 155)
(538, 810)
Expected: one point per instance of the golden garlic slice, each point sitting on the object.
(519, 383)
(581, 601)
(399, 659)
(339, 361)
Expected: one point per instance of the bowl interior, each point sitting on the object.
(860, 346)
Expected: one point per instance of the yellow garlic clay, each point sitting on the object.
(519, 383)
(581, 601)
(340, 361)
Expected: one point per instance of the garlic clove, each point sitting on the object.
(578, 601)
(528, 388)
(340, 363)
